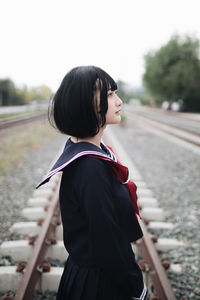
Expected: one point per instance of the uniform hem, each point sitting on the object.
(143, 295)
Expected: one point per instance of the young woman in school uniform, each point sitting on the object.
(97, 201)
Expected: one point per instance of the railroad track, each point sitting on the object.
(16, 121)
(189, 136)
(46, 241)
(174, 121)
(180, 115)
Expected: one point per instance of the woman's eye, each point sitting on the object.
(110, 93)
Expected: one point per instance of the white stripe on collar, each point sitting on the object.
(83, 153)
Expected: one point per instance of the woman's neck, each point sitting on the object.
(96, 140)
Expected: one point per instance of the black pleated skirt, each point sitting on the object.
(80, 283)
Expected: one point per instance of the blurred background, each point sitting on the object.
(152, 50)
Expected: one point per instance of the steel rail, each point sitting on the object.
(157, 273)
(159, 126)
(195, 117)
(32, 273)
(18, 121)
(168, 124)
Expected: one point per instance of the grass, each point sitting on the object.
(123, 118)
(16, 145)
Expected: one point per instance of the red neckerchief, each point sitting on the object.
(121, 172)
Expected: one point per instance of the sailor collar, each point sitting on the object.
(73, 151)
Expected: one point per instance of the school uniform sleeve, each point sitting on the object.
(107, 242)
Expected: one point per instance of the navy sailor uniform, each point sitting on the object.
(98, 225)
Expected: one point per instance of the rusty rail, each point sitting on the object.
(32, 272)
(157, 273)
(4, 124)
(162, 127)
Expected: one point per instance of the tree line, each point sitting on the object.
(12, 95)
(172, 73)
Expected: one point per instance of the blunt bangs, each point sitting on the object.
(74, 109)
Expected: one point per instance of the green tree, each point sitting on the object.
(22, 96)
(9, 94)
(40, 93)
(12, 95)
(173, 72)
(7, 91)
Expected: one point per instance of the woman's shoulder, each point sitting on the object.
(93, 173)
(87, 170)
(92, 165)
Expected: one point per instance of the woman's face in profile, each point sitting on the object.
(114, 108)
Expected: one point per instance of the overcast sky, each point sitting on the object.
(40, 40)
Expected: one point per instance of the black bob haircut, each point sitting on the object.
(73, 109)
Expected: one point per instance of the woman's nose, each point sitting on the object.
(119, 101)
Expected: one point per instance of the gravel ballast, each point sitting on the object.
(18, 187)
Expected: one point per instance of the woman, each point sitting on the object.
(98, 204)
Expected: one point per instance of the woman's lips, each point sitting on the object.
(118, 112)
